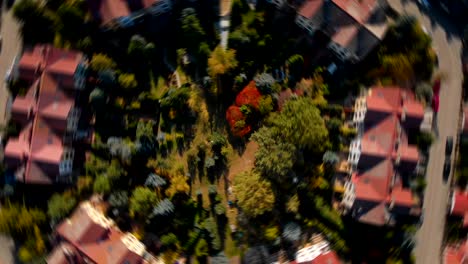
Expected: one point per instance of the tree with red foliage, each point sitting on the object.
(250, 95)
(236, 120)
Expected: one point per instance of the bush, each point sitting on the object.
(169, 240)
(249, 96)
(424, 140)
(246, 110)
(265, 106)
(265, 82)
(424, 92)
(220, 209)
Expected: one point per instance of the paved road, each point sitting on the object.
(10, 47)
(448, 46)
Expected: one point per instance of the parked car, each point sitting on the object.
(449, 146)
(447, 168)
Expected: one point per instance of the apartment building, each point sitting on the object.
(43, 151)
(382, 161)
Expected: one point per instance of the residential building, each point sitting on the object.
(43, 152)
(89, 237)
(354, 27)
(382, 162)
(317, 254)
(459, 205)
(456, 253)
(123, 13)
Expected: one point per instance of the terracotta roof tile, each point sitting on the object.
(311, 8)
(456, 254)
(459, 203)
(329, 257)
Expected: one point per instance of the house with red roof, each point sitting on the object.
(42, 153)
(383, 162)
(456, 253)
(354, 27)
(459, 205)
(317, 252)
(89, 237)
(123, 13)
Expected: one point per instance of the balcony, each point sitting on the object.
(66, 163)
(80, 76)
(73, 119)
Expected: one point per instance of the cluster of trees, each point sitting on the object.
(60, 22)
(406, 53)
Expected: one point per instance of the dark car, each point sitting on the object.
(447, 168)
(449, 146)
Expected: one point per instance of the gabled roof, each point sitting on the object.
(329, 257)
(59, 254)
(376, 215)
(84, 226)
(384, 144)
(456, 254)
(96, 237)
(113, 9)
(459, 206)
(310, 8)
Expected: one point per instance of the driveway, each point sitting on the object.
(11, 46)
(448, 46)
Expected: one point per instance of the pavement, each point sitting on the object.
(448, 47)
(10, 47)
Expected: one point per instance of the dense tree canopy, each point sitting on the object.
(60, 205)
(142, 201)
(221, 61)
(301, 124)
(254, 194)
(101, 62)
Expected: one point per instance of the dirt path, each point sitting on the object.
(244, 162)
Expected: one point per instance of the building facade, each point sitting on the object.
(43, 152)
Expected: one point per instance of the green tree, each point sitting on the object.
(19, 222)
(221, 61)
(142, 201)
(301, 124)
(136, 47)
(295, 64)
(178, 185)
(274, 158)
(424, 92)
(192, 31)
(101, 62)
(102, 185)
(60, 205)
(37, 25)
(238, 9)
(70, 22)
(127, 81)
(255, 195)
(118, 199)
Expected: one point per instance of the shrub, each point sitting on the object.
(169, 239)
(424, 140)
(220, 209)
(424, 92)
(246, 110)
(249, 96)
(236, 120)
(265, 82)
(265, 105)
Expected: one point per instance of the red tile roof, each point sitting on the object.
(40, 145)
(359, 10)
(344, 35)
(383, 142)
(459, 206)
(98, 239)
(58, 255)
(456, 254)
(310, 8)
(113, 9)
